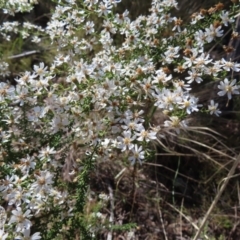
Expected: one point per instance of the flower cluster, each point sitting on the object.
(100, 91)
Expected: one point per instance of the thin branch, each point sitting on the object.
(24, 54)
(111, 218)
(162, 222)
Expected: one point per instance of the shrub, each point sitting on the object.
(95, 100)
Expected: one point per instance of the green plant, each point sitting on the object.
(94, 101)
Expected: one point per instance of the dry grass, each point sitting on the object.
(147, 196)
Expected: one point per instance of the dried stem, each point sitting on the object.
(225, 182)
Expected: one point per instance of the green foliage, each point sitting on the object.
(82, 186)
(124, 227)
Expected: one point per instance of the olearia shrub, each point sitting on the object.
(115, 73)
